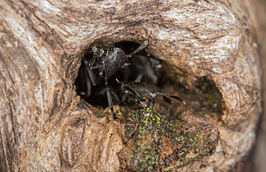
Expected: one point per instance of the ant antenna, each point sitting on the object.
(173, 97)
(120, 83)
(141, 47)
(96, 67)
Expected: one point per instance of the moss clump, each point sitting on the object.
(147, 149)
(161, 143)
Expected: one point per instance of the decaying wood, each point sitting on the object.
(44, 124)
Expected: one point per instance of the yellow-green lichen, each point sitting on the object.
(149, 145)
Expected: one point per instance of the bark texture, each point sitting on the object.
(45, 125)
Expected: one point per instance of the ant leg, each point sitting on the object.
(114, 95)
(141, 47)
(155, 64)
(110, 102)
(87, 93)
(127, 95)
(85, 82)
(88, 86)
(105, 76)
(96, 67)
(139, 77)
(108, 93)
(150, 104)
(91, 76)
(143, 66)
(153, 70)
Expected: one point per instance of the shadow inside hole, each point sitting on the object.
(203, 95)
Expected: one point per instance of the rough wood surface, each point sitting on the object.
(44, 124)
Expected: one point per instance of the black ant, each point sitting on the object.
(143, 93)
(104, 64)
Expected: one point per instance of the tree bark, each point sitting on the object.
(45, 125)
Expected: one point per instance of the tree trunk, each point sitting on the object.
(44, 123)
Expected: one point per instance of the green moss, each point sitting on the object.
(149, 130)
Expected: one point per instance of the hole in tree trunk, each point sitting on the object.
(149, 133)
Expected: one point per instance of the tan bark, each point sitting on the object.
(45, 125)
